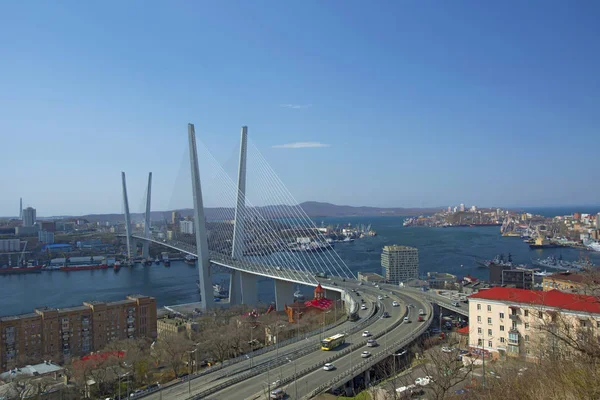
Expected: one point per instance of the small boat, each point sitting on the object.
(117, 266)
(156, 260)
(147, 262)
(190, 260)
(166, 261)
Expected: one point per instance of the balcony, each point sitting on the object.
(513, 337)
(514, 317)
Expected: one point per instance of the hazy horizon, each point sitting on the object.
(391, 104)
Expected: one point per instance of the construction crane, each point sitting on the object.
(20, 262)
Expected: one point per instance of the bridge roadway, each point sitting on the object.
(186, 389)
(257, 386)
(443, 301)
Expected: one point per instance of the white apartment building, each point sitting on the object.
(187, 227)
(514, 322)
(400, 263)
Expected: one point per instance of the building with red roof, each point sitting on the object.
(514, 322)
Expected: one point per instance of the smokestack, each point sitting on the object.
(21, 209)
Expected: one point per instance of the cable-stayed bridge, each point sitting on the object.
(277, 241)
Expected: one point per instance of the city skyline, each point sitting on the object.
(491, 105)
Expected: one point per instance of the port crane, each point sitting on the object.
(20, 262)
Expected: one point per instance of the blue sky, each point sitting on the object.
(420, 103)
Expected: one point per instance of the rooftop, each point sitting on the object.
(75, 308)
(552, 298)
(397, 247)
(572, 277)
(20, 316)
(32, 370)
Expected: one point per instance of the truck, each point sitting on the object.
(421, 312)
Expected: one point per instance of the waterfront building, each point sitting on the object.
(462, 207)
(523, 323)
(187, 227)
(9, 245)
(61, 334)
(520, 278)
(29, 216)
(598, 221)
(27, 230)
(46, 237)
(48, 226)
(400, 263)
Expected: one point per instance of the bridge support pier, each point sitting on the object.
(248, 288)
(284, 293)
(235, 288)
(127, 216)
(367, 378)
(146, 244)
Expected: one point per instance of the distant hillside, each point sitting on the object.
(317, 209)
(312, 208)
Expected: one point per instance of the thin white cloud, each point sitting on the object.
(295, 106)
(300, 145)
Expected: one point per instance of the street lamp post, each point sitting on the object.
(295, 377)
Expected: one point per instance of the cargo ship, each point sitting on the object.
(84, 267)
(116, 265)
(21, 270)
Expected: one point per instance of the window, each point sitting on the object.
(540, 315)
(489, 332)
(527, 338)
(514, 325)
(489, 308)
(489, 321)
(479, 331)
(489, 343)
(501, 315)
(597, 324)
(501, 328)
(583, 323)
(479, 342)
(478, 307)
(479, 318)
(501, 340)
(526, 325)
(526, 313)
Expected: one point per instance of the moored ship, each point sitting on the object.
(190, 260)
(21, 270)
(83, 267)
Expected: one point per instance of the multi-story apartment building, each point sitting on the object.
(60, 334)
(400, 263)
(517, 322)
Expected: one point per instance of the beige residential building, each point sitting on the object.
(60, 334)
(515, 322)
(400, 263)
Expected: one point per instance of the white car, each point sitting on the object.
(446, 349)
(366, 334)
(395, 304)
(328, 367)
(423, 381)
(379, 297)
(363, 307)
(365, 354)
(406, 319)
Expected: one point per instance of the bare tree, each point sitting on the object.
(445, 370)
(172, 350)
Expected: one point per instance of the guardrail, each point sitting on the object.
(257, 371)
(358, 368)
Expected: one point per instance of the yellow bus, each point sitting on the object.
(332, 342)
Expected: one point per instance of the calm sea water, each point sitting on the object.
(453, 250)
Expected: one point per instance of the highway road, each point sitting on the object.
(444, 301)
(257, 386)
(187, 389)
